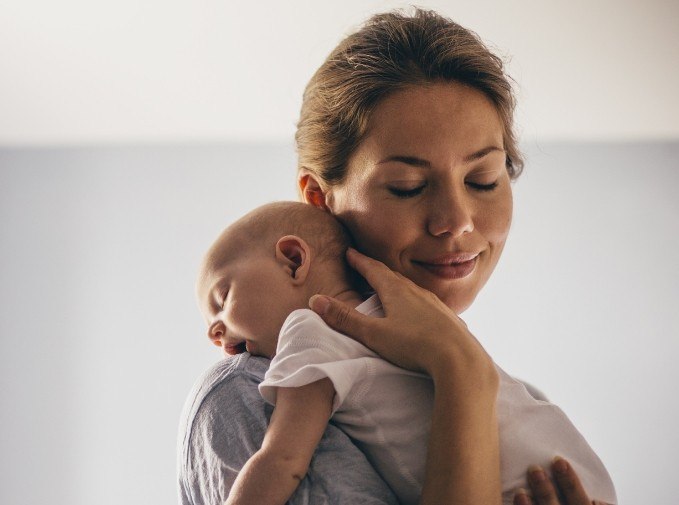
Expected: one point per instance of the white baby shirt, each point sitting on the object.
(386, 410)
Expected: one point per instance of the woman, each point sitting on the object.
(406, 136)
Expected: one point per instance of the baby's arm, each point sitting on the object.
(297, 424)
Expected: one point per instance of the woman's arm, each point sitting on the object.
(420, 333)
(462, 464)
(297, 424)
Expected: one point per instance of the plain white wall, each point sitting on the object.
(101, 338)
(93, 71)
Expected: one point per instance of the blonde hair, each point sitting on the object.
(390, 52)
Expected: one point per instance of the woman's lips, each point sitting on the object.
(450, 267)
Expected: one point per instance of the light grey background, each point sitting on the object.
(101, 338)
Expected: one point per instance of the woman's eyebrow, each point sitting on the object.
(481, 153)
(408, 160)
(422, 163)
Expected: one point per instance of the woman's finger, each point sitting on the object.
(522, 498)
(378, 275)
(541, 487)
(341, 317)
(418, 331)
(569, 483)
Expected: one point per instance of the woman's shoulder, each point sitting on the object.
(232, 368)
(231, 380)
(225, 393)
(533, 391)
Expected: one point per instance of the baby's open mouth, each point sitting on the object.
(235, 348)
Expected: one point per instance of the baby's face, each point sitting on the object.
(245, 302)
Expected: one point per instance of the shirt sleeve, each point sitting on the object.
(229, 427)
(308, 350)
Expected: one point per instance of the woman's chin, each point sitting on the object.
(457, 302)
(457, 294)
(456, 291)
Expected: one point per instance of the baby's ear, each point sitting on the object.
(295, 255)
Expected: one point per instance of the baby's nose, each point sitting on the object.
(216, 330)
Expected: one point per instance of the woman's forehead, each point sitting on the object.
(431, 119)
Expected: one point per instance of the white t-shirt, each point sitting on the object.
(386, 410)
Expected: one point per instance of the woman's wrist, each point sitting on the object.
(463, 453)
(463, 366)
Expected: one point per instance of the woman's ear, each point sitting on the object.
(295, 255)
(311, 190)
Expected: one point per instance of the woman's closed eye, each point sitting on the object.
(477, 186)
(406, 192)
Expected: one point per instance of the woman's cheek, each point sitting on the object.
(391, 238)
(374, 238)
(505, 217)
(496, 219)
(372, 232)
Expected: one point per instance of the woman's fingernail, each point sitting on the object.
(560, 465)
(319, 304)
(536, 473)
(521, 497)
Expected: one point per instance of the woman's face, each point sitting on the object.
(427, 191)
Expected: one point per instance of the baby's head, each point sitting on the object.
(264, 266)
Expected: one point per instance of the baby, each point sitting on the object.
(253, 289)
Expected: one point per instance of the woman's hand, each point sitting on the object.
(568, 491)
(419, 332)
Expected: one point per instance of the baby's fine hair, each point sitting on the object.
(322, 231)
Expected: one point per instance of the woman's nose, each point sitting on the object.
(451, 214)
